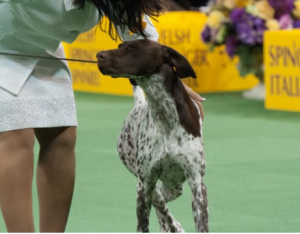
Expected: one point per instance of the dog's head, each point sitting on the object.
(142, 58)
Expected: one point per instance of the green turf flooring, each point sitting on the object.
(253, 169)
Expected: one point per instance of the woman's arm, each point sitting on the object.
(197, 98)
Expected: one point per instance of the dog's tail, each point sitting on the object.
(138, 94)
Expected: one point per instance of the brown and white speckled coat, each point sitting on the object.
(161, 138)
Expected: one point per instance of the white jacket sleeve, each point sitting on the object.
(56, 19)
(14, 1)
(149, 30)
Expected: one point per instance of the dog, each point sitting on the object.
(162, 138)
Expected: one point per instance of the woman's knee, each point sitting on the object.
(17, 141)
(16, 153)
(63, 138)
(66, 138)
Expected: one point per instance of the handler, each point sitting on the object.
(36, 100)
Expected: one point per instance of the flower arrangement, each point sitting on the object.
(240, 25)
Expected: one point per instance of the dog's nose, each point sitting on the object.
(101, 55)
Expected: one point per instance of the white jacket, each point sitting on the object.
(37, 27)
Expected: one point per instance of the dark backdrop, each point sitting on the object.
(184, 4)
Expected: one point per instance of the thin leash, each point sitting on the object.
(51, 58)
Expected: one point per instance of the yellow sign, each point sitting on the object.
(282, 70)
(215, 71)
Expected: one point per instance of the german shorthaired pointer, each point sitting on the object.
(162, 137)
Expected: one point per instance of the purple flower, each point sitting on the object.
(259, 27)
(231, 44)
(296, 24)
(209, 35)
(237, 14)
(247, 36)
(206, 34)
(214, 34)
(281, 7)
(259, 23)
(260, 36)
(250, 29)
(285, 21)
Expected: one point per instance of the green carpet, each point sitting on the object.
(253, 169)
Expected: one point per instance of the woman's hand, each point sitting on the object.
(197, 98)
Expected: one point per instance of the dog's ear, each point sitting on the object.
(181, 64)
(133, 82)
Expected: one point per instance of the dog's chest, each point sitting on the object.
(155, 143)
(149, 147)
(150, 135)
(167, 156)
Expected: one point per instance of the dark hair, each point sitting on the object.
(125, 13)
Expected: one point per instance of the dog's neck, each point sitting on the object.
(162, 105)
(169, 103)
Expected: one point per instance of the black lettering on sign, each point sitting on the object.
(83, 54)
(282, 85)
(86, 77)
(197, 57)
(176, 36)
(284, 56)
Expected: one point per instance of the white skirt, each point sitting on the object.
(45, 101)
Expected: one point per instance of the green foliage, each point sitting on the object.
(251, 60)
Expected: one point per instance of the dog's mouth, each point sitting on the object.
(102, 70)
(106, 72)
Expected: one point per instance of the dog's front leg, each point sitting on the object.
(143, 206)
(199, 203)
(166, 220)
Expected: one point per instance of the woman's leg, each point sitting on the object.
(55, 176)
(16, 172)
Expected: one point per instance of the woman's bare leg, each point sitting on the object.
(16, 173)
(55, 176)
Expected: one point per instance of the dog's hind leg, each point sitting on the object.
(159, 200)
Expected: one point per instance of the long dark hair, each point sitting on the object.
(126, 13)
